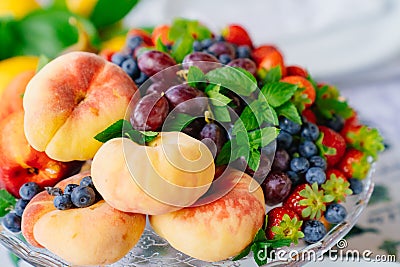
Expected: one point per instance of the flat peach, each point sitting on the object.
(70, 100)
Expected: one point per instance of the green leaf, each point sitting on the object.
(224, 156)
(248, 74)
(8, 37)
(254, 159)
(247, 120)
(195, 75)
(277, 93)
(43, 60)
(14, 259)
(177, 122)
(217, 99)
(160, 46)
(49, 32)
(289, 111)
(108, 12)
(273, 75)
(123, 128)
(221, 113)
(7, 202)
(243, 254)
(182, 47)
(181, 26)
(262, 137)
(233, 79)
(260, 253)
(59, 4)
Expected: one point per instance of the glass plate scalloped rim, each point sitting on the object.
(152, 250)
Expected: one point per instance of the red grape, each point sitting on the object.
(186, 99)
(152, 62)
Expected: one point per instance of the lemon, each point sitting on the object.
(11, 67)
(17, 8)
(81, 7)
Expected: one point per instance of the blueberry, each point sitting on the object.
(308, 149)
(197, 46)
(134, 42)
(12, 222)
(315, 174)
(63, 202)
(336, 123)
(130, 67)
(69, 188)
(118, 58)
(83, 196)
(87, 181)
(294, 177)
(20, 206)
(29, 190)
(225, 59)
(335, 213)
(243, 51)
(289, 126)
(313, 231)
(317, 161)
(284, 139)
(299, 165)
(356, 186)
(206, 43)
(141, 79)
(54, 191)
(310, 131)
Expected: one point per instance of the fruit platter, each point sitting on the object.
(184, 148)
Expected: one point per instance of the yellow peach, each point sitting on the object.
(217, 230)
(70, 100)
(172, 172)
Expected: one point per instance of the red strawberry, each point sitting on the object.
(331, 144)
(283, 223)
(143, 34)
(162, 32)
(304, 97)
(336, 185)
(308, 201)
(260, 52)
(296, 71)
(237, 35)
(354, 164)
(309, 115)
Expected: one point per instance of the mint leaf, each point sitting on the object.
(182, 46)
(177, 122)
(243, 254)
(225, 154)
(247, 120)
(233, 79)
(182, 26)
(254, 159)
(289, 111)
(221, 113)
(277, 93)
(262, 137)
(14, 259)
(195, 75)
(273, 75)
(7, 202)
(217, 99)
(160, 46)
(123, 128)
(248, 74)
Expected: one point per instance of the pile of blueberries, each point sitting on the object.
(74, 196)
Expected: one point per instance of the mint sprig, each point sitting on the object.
(123, 128)
(7, 202)
(262, 247)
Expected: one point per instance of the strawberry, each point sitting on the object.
(308, 201)
(354, 164)
(162, 32)
(260, 52)
(269, 60)
(296, 71)
(309, 115)
(336, 185)
(237, 35)
(283, 223)
(363, 138)
(331, 145)
(304, 97)
(143, 34)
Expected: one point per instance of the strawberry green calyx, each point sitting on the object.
(300, 99)
(367, 140)
(315, 201)
(337, 187)
(288, 229)
(323, 149)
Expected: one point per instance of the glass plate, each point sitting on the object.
(152, 250)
